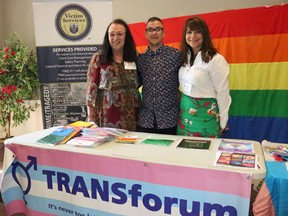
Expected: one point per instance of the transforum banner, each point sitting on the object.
(45, 181)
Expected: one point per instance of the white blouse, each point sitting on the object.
(208, 80)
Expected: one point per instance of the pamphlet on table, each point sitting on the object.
(233, 146)
(194, 144)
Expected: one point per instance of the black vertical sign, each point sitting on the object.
(63, 92)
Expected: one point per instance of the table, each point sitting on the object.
(272, 198)
(123, 179)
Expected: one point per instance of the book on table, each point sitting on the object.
(64, 133)
(58, 135)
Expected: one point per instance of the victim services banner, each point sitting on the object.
(254, 42)
(67, 34)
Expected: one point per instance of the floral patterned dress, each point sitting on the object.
(112, 94)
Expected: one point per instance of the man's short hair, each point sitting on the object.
(151, 19)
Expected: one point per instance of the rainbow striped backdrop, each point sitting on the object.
(254, 41)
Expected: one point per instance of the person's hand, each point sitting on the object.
(91, 118)
(91, 113)
(222, 130)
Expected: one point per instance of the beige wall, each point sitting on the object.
(140, 10)
(1, 23)
(17, 15)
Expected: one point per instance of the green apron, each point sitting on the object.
(198, 117)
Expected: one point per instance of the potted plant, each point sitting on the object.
(18, 82)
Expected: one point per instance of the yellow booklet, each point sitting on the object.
(82, 124)
(78, 125)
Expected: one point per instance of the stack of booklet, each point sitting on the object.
(62, 134)
(80, 133)
(90, 137)
(85, 134)
(277, 151)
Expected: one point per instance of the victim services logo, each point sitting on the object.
(73, 22)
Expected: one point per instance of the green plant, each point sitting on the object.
(18, 82)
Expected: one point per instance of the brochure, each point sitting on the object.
(77, 131)
(194, 144)
(83, 124)
(156, 141)
(103, 131)
(232, 146)
(275, 149)
(93, 136)
(88, 141)
(57, 136)
(237, 159)
(280, 156)
(127, 139)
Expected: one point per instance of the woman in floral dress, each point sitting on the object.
(112, 87)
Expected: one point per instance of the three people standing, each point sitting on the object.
(113, 99)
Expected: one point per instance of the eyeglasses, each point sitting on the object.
(157, 30)
(114, 34)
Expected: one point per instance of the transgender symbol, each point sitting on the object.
(23, 171)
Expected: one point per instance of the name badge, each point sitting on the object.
(187, 88)
(129, 65)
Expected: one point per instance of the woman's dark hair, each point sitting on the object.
(208, 51)
(129, 50)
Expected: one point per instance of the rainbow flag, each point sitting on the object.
(254, 42)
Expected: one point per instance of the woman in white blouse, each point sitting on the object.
(205, 98)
